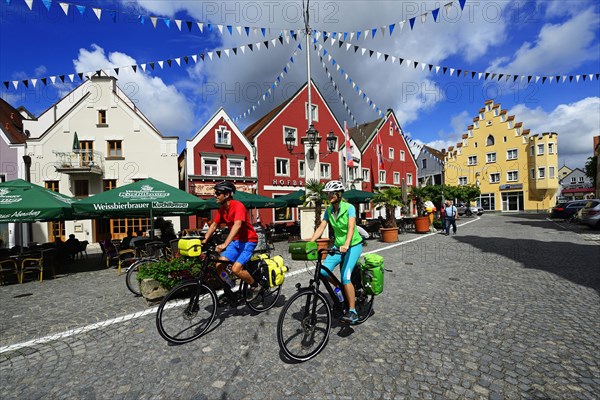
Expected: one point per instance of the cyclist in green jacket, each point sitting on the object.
(342, 218)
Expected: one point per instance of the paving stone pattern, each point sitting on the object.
(505, 309)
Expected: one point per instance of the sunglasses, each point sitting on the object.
(218, 193)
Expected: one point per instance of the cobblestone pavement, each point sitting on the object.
(507, 308)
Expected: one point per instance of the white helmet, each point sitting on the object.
(334, 186)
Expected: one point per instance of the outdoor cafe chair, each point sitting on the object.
(8, 266)
(119, 256)
(82, 251)
(38, 264)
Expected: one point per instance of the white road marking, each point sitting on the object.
(129, 317)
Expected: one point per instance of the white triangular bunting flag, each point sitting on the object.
(451, 71)
(33, 81)
(53, 79)
(72, 77)
(98, 12)
(255, 31)
(591, 76)
(243, 49)
(220, 28)
(378, 55)
(551, 78)
(348, 45)
(200, 26)
(353, 85)
(258, 46)
(30, 5)
(15, 84)
(178, 61)
(366, 33)
(362, 50)
(577, 78)
(153, 20)
(178, 23)
(537, 78)
(479, 75)
(522, 77)
(238, 29)
(337, 67)
(65, 8)
(210, 55)
(287, 39)
(317, 35)
(437, 69)
(143, 67)
(345, 76)
(423, 65)
(408, 63)
(161, 64)
(351, 35)
(195, 58)
(329, 57)
(274, 42)
(401, 25)
(393, 59)
(226, 52)
(564, 78)
(423, 18)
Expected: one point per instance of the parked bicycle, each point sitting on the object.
(189, 309)
(154, 252)
(305, 321)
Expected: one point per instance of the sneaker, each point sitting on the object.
(350, 317)
(253, 292)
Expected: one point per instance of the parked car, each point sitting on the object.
(568, 209)
(590, 214)
(463, 209)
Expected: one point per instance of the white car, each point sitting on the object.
(468, 211)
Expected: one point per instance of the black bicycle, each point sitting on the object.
(305, 321)
(188, 310)
(155, 251)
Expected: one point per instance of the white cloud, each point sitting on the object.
(559, 48)
(576, 124)
(172, 114)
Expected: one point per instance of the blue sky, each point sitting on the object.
(508, 37)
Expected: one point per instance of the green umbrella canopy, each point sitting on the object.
(148, 197)
(252, 201)
(293, 199)
(22, 201)
(76, 145)
(358, 196)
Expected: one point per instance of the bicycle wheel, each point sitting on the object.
(363, 304)
(264, 301)
(304, 324)
(186, 312)
(131, 278)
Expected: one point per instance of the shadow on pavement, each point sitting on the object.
(574, 262)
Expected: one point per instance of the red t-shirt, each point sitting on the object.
(237, 212)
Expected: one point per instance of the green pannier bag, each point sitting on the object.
(303, 250)
(372, 274)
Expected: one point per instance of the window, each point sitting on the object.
(504, 139)
(2, 177)
(109, 184)
(490, 157)
(210, 166)
(222, 136)
(573, 179)
(301, 171)
(580, 179)
(495, 177)
(282, 167)
(495, 112)
(401, 155)
(541, 173)
(391, 153)
(315, 112)
(512, 154)
(510, 124)
(475, 144)
(472, 160)
(503, 118)
(424, 163)
(476, 124)
(551, 173)
(115, 148)
(235, 167)
(101, 117)
(470, 132)
(532, 173)
(409, 179)
(51, 185)
(325, 171)
(365, 175)
(391, 131)
(82, 188)
(517, 131)
(396, 178)
(381, 176)
(550, 148)
(462, 180)
(512, 176)
(489, 141)
(86, 152)
(481, 116)
(287, 130)
(531, 151)
(540, 149)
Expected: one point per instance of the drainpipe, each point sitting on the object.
(28, 228)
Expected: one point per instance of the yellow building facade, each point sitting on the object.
(515, 171)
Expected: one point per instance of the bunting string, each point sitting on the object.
(390, 28)
(182, 25)
(461, 72)
(276, 82)
(152, 65)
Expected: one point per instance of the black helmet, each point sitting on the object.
(226, 187)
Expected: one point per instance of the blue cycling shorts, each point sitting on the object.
(239, 251)
(350, 261)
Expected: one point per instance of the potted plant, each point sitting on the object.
(315, 197)
(390, 198)
(421, 222)
(156, 279)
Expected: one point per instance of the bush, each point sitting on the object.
(170, 272)
(437, 224)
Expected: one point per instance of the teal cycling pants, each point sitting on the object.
(347, 264)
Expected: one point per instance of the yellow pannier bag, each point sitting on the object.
(190, 247)
(276, 270)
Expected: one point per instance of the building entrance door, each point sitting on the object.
(512, 201)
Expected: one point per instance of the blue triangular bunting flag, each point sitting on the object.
(435, 13)
(81, 9)
(47, 3)
(412, 23)
(373, 32)
(392, 26)
(462, 4)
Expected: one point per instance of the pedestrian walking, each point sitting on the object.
(451, 217)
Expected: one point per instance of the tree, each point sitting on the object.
(315, 197)
(390, 198)
(420, 194)
(591, 168)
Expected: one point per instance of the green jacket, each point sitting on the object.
(339, 223)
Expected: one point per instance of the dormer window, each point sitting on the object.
(495, 112)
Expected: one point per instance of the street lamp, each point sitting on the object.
(312, 138)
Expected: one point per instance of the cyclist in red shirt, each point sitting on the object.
(242, 239)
